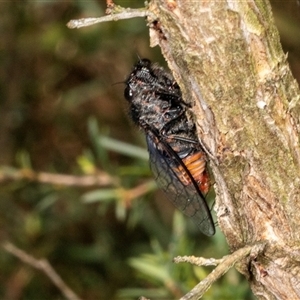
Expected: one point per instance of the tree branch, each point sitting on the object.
(223, 265)
(101, 179)
(44, 266)
(115, 13)
(227, 58)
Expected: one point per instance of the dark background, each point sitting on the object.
(61, 95)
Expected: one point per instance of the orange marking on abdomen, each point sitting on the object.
(196, 165)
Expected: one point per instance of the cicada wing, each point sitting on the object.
(164, 163)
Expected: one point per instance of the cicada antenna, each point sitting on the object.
(119, 82)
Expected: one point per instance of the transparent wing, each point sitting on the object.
(164, 163)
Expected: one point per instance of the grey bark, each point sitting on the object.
(227, 58)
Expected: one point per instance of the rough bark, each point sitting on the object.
(227, 58)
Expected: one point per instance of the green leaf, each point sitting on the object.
(101, 195)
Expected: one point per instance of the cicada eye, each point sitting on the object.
(128, 93)
(144, 63)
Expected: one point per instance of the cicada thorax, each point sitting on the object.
(196, 165)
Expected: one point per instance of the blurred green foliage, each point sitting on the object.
(61, 113)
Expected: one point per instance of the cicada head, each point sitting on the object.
(139, 79)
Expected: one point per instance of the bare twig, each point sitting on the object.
(198, 261)
(116, 13)
(224, 265)
(102, 179)
(138, 191)
(44, 266)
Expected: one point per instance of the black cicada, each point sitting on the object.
(176, 157)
